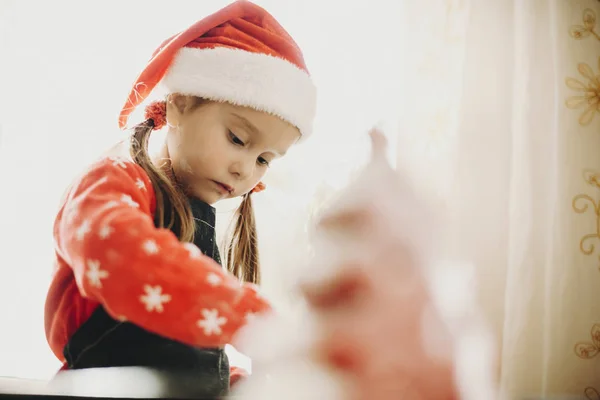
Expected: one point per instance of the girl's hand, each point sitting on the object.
(237, 375)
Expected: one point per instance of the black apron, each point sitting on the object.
(105, 342)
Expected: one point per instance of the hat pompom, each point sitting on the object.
(157, 112)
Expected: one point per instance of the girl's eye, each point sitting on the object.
(235, 139)
(262, 161)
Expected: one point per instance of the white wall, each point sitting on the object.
(65, 69)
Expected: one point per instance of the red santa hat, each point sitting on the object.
(240, 55)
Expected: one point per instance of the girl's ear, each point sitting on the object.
(177, 105)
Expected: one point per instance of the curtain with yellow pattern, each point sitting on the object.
(508, 139)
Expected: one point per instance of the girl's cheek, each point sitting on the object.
(185, 166)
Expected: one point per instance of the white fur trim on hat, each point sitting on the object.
(255, 80)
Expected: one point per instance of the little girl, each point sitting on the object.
(138, 279)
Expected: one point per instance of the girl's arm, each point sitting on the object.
(143, 274)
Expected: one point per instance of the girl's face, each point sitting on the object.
(220, 151)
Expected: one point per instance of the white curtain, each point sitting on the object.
(491, 104)
(511, 91)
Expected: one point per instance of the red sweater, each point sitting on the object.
(109, 252)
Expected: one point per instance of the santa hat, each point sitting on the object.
(240, 55)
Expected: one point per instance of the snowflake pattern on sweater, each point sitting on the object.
(110, 253)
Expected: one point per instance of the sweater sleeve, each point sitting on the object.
(141, 273)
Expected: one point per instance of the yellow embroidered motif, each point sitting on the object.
(587, 29)
(591, 393)
(580, 205)
(589, 98)
(587, 349)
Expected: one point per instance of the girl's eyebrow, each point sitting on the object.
(247, 124)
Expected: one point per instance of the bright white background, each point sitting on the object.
(65, 70)
(479, 88)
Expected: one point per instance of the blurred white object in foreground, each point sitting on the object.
(385, 319)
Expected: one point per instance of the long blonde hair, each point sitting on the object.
(173, 210)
